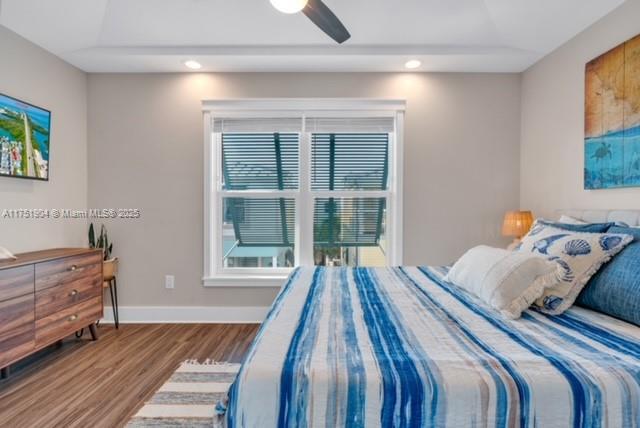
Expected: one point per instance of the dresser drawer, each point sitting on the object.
(63, 323)
(16, 282)
(68, 269)
(16, 328)
(54, 299)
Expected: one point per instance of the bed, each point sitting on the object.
(401, 347)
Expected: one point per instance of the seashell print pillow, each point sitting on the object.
(580, 254)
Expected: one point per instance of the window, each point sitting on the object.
(300, 182)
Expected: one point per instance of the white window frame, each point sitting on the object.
(215, 275)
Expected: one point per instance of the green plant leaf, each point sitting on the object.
(92, 237)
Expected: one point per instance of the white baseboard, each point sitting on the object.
(187, 314)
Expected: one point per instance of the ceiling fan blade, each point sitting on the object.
(320, 14)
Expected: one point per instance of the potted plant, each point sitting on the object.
(329, 232)
(109, 263)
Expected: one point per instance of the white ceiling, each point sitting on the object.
(250, 35)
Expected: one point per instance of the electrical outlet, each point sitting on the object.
(169, 281)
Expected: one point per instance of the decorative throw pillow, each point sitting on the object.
(580, 254)
(508, 281)
(615, 289)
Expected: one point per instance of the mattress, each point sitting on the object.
(358, 347)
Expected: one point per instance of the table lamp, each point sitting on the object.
(516, 224)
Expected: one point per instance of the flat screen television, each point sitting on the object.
(24, 139)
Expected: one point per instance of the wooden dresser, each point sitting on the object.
(46, 296)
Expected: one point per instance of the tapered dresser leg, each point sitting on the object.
(94, 331)
(116, 313)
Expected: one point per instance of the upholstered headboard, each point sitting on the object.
(630, 217)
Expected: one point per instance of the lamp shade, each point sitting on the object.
(517, 223)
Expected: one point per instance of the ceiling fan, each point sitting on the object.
(319, 13)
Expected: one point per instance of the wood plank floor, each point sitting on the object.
(103, 383)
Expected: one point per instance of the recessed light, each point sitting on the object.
(194, 65)
(414, 63)
(289, 6)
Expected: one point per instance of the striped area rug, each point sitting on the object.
(189, 397)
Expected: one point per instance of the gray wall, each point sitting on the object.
(146, 151)
(31, 74)
(552, 157)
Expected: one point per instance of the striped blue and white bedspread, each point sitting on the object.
(400, 347)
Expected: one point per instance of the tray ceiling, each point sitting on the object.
(250, 35)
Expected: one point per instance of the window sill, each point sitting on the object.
(247, 281)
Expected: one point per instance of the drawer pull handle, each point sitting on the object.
(73, 293)
(73, 317)
(73, 267)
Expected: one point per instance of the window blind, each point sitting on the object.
(346, 154)
(260, 161)
(262, 222)
(349, 161)
(260, 125)
(350, 125)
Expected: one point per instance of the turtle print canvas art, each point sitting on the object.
(612, 118)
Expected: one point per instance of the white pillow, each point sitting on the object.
(570, 220)
(580, 254)
(508, 281)
(6, 254)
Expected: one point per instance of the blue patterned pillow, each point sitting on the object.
(580, 254)
(615, 290)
